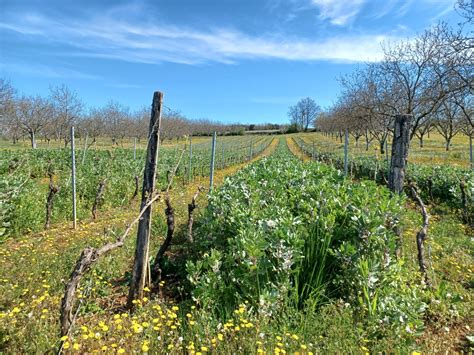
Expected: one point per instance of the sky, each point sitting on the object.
(226, 60)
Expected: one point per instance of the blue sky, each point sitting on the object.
(228, 60)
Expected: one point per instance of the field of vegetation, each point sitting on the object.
(433, 151)
(26, 176)
(287, 255)
(133, 229)
(444, 183)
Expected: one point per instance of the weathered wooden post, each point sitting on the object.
(312, 153)
(73, 178)
(346, 148)
(400, 146)
(141, 264)
(213, 155)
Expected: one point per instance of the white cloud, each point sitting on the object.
(338, 12)
(106, 37)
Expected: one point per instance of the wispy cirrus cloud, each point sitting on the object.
(148, 42)
(338, 12)
(342, 13)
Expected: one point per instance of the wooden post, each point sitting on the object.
(346, 147)
(400, 146)
(141, 264)
(312, 153)
(213, 155)
(73, 177)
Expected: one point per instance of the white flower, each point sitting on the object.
(271, 224)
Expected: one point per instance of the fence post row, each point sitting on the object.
(73, 176)
(213, 154)
(141, 265)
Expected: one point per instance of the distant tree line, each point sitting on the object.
(430, 78)
(303, 115)
(50, 118)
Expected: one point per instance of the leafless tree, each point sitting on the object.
(175, 125)
(67, 109)
(94, 124)
(33, 114)
(8, 123)
(417, 70)
(304, 113)
(117, 119)
(448, 121)
(466, 9)
(424, 129)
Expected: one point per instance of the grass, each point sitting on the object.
(450, 257)
(433, 152)
(33, 270)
